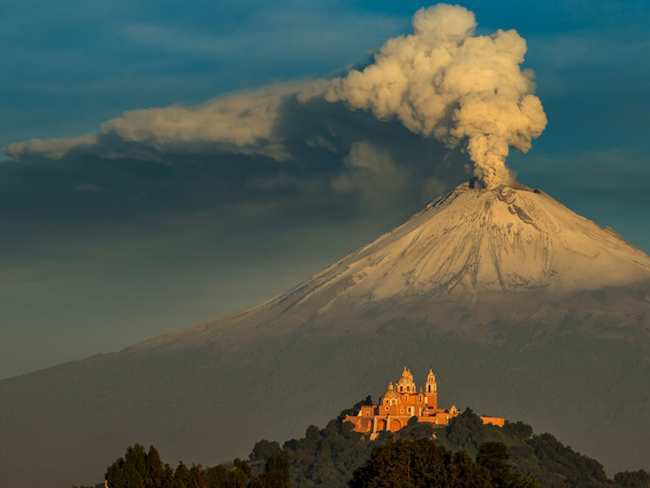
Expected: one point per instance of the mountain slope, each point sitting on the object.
(508, 239)
(471, 249)
(519, 305)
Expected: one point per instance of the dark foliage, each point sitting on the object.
(276, 472)
(518, 429)
(541, 457)
(146, 470)
(417, 429)
(466, 430)
(564, 466)
(355, 408)
(420, 454)
(264, 449)
(633, 479)
(421, 463)
(327, 457)
(495, 458)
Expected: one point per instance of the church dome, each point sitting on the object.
(405, 383)
(390, 393)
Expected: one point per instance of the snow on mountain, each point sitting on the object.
(473, 245)
(509, 239)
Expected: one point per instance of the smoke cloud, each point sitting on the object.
(445, 82)
(441, 81)
(240, 123)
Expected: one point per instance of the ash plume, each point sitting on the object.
(445, 82)
(456, 89)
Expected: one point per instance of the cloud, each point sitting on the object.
(300, 141)
(52, 148)
(373, 173)
(238, 123)
(282, 142)
(443, 81)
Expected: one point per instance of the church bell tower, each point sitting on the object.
(431, 390)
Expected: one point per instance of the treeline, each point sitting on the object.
(145, 469)
(414, 463)
(465, 453)
(542, 457)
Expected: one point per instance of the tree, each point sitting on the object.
(417, 429)
(217, 476)
(154, 469)
(354, 410)
(264, 449)
(198, 477)
(518, 429)
(276, 471)
(240, 474)
(421, 463)
(181, 476)
(167, 477)
(137, 458)
(494, 456)
(633, 479)
(466, 430)
(416, 463)
(129, 471)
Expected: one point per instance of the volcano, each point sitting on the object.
(523, 309)
(511, 239)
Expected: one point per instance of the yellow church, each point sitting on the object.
(402, 402)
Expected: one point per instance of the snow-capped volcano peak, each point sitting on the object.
(510, 239)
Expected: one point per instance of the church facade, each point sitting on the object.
(402, 402)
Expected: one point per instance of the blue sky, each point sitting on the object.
(102, 252)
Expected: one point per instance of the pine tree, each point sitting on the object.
(136, 458)
(154, 469)
(167, 477)
(181, 476)
(198, 477)
(217, 476)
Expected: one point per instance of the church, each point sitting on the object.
(402, 402)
